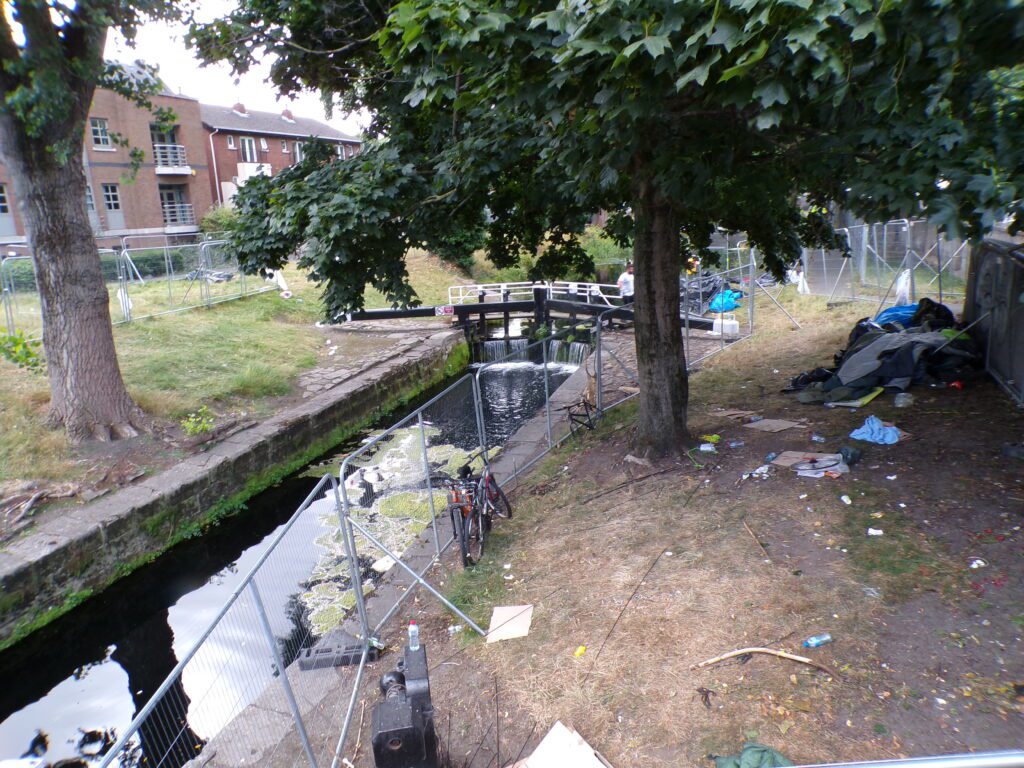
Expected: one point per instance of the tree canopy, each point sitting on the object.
(753, 115)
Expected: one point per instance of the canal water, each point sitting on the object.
(72, 687)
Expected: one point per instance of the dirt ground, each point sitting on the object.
(652, 569)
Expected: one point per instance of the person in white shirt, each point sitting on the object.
(626, 284)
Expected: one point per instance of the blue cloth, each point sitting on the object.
(725, 301)
(899, 315)
(874, 431)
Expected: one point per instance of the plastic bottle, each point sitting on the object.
(817, 640)
(414, 636)
(816, 438)
(904, 400)
(736, 443)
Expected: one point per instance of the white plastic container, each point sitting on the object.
(725, 323)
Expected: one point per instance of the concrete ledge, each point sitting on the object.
(65, 559)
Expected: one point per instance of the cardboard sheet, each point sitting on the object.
(562, 747)
(509, 622)
(772, 425)
(789, 458)
(735, 414)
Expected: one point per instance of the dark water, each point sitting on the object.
(81, 679)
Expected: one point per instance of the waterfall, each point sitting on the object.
(576, 353)
(502, 349)
(554, 348)
(494, 350)
(567, 353)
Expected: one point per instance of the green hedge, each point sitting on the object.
(151, 263)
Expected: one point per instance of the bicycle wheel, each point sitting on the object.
(472, 537)
(496, 499)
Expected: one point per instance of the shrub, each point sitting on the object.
(198, 422)
(220, 218)
(23, 352)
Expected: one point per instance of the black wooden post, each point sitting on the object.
(482, 297)
(540, 305)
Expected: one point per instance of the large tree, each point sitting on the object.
(51, 61)
(678, 115)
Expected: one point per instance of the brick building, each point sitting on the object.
(198, 163)
(169, 193)
(242, 143)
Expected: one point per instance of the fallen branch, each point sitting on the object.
(770, 652)
(756, 541)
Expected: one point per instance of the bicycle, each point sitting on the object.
(473, 500)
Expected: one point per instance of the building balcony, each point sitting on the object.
(171, 160)
(178, 215)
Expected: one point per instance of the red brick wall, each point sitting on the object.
(140, 199)
(227, 159)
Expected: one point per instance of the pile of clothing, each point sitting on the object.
(900, 347)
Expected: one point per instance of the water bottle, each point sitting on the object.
(414, 636)
(816, 438)
(817, 640)
(904, 400)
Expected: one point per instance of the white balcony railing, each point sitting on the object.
(169, 156)
(178, 215)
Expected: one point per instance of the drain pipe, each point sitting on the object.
(213, 162)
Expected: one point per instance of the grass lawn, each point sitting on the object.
(234, 357)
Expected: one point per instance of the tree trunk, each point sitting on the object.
(661, 361)
(87, 394)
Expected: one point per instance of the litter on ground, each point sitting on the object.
(562, 746)
(772, 425)
(509, 622)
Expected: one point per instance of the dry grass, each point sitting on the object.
(705, 591)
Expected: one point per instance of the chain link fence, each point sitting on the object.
(889, 261)
(141, 281)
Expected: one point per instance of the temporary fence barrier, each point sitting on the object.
(881, 255)
(142, 282)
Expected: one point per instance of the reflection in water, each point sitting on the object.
(80, 680)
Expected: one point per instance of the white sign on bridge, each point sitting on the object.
(447, 309)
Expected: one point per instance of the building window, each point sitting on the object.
(263, 145)
(298, 151)
(111, 197)
(5, 207)
(284, 146)
(100, 131)
(231, 141)
(339, 150)
(248, 145)
(90, 202)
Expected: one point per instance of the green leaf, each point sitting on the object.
(771, 92)
(746, 62)
(656, 45)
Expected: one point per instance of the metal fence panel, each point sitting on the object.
(236, 690)
(934, 265)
